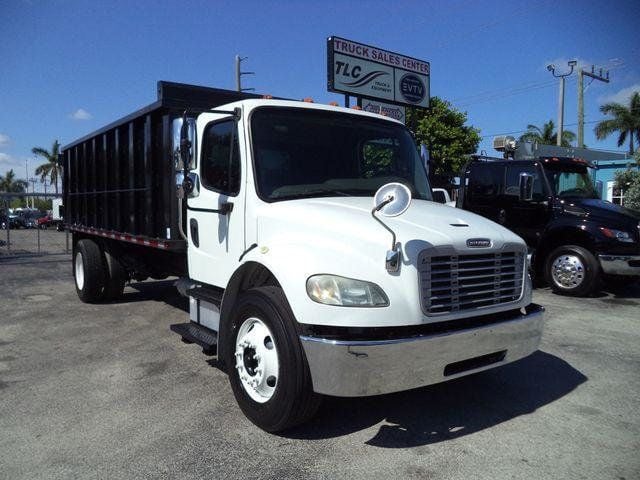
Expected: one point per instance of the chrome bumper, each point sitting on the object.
(362, 368)
(619, 264)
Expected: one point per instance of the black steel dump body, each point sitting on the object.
(119, 182)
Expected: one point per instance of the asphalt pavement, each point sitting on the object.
(108, 391)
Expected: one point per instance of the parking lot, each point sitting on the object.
(107, 391)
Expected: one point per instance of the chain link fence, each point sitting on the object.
(30, 231)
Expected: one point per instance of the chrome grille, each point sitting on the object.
(451, 283)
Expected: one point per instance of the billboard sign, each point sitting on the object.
(396, 112)
(369, 72)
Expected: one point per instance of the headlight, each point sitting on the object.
(346, 292)
(617, 234)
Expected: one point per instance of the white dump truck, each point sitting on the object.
(307, 242)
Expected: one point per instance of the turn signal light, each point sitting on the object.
(308, 100)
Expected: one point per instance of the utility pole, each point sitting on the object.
(26, 178)
(239, 74)
(552, 69)
(581, 74)
(33, 190)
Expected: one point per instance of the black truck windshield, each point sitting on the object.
(570, 181)
(302, 153)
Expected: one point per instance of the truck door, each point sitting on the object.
(215, 217)
(527, 218)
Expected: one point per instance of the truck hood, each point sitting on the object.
(609, 214)
(349, 219)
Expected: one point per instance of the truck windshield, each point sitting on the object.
(569, 181)
(303, 153)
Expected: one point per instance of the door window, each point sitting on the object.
(220, 167)
(485, 183)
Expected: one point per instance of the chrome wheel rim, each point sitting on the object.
(256, 358)
(79, 271)
(568, 271)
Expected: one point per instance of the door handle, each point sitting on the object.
(193, 231)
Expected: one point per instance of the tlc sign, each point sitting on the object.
(369, 72)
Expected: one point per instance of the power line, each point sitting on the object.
(499, 94)
(523, 131)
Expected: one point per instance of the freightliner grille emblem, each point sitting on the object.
(478, 243)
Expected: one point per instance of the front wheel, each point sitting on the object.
(268, 373)
(572, 270)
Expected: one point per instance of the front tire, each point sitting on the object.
(572, 270)
(268, 370)
(88, 271)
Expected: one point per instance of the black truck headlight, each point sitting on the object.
(619, 235)
(345, 292)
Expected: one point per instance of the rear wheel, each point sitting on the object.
(115, 277)
(572, 270)
(268, 370)
(88, 271)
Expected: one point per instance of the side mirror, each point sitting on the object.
(599, 187)
(180, 131)
(526, 187)
(190, 188)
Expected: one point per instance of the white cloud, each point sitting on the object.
(4, 140)
(8, 162)
(622, 96)
(81, 114)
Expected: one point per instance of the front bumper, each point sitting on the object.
(620, 264)
(361, 368)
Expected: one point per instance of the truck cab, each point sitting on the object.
(577, 241)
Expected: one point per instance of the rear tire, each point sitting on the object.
(273, 358)
(572, 270)
(88, 271)
(115, 277)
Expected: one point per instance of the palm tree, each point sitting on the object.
(626, 120)
(547, 135)
(9, 184)
(51, 168)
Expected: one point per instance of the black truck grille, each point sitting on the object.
(451, 283)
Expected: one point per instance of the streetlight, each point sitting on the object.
(552, 69)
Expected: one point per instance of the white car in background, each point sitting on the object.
(440, 195)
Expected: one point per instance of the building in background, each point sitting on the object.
(605, 177)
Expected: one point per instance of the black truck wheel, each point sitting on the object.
(115, 277)
(88, 271)
(572, 270)
(268, 370)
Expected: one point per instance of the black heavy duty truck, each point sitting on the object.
(578, 241)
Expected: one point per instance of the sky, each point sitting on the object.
(69, 67)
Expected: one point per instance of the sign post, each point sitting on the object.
(375, 74)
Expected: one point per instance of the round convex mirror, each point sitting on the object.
(400, 195)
